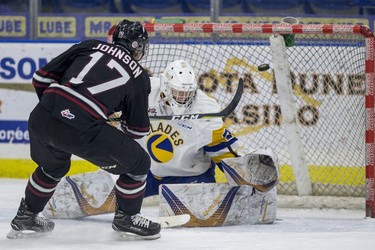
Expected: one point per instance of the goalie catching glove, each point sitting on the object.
(258, 169)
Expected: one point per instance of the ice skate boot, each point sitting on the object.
(27, 224)
(135, 227)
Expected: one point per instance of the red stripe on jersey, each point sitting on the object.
(101, 106)
(134, 136)
(49, 75)
(82, 105)
(38, 84)
(139, 129)
(128, 131)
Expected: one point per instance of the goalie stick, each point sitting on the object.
(224, 113)
(173, 220)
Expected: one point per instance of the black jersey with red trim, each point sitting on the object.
(95, 79)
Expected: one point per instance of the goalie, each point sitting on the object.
(183, 152)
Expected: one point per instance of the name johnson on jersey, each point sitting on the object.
(121, 55)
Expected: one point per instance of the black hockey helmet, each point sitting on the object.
(130, 35)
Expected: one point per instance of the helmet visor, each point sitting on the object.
(141, 51)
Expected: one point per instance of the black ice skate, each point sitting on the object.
(135, 227)
(27, 224)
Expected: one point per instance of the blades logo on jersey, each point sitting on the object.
(160, 148)
(161, 142)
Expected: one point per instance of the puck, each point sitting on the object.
(263, 67)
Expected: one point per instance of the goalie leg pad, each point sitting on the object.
(258, 169)
(217, 204)
(82, 195)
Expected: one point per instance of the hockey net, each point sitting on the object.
(332, 84)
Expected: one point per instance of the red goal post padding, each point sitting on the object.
(261, 28)
(316, 29)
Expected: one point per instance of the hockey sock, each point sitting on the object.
(39, 190)
(129, 194)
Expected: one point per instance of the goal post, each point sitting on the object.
(331, 77)
(288, 109)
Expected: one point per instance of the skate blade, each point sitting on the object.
(126, 236)
(26, 234)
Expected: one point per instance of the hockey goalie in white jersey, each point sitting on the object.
(184, 154)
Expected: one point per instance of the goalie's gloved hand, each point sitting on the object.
(267, 160)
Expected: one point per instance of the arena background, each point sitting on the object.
(33, 32)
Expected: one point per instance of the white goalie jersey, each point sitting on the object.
(185, 147)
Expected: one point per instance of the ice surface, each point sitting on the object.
(295, 229)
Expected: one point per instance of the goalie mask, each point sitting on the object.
(130, 35)
(178, 86)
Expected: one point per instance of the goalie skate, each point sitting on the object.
(27, 224)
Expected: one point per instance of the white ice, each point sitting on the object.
(294, 229)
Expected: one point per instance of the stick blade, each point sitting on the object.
(173, 221)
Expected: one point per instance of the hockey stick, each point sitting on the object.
(173, 221)
(224, 113)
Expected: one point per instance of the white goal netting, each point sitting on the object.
(332, 78)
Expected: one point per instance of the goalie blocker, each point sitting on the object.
(259, 169)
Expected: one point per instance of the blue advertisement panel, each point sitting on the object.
(57, 27)
(19, 60)
(78, 27)
(13, 132)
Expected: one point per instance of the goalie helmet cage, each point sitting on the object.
(332, 83)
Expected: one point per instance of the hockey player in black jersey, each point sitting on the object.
(78, 90)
